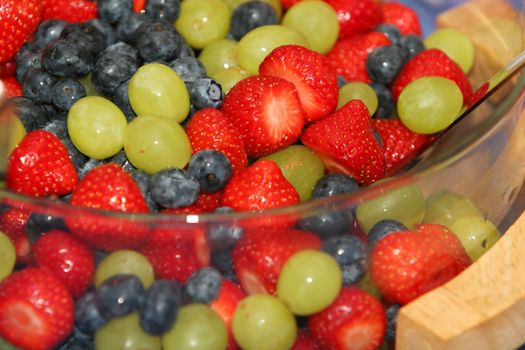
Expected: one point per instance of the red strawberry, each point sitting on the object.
(40, 166)
(7, 69)
(356, 16)
(225, 304)
(400, 144)
(69, 10)
(12, 87)
(286, 4)
(431, 62)
(206, 203)
(345, 142)
(36, 310)
(267, 112)
(139, 5)
(355, 321)
(108, 187)
(477, 95)
(66, 257)
(13, 223)
(260, 186)
(405, 265)
(402, 16)
(209, 129)
(260, 255)
(18, 21)
(310, 72)
(305, 342)
(348, 57)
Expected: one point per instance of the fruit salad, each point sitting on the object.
(187, 174)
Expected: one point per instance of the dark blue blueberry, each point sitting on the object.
(114, 66)
(26, 62)
(4, 207)
(66, 92)
(58, 127)
(168, 10)
(386, 105)
(99, 256)
(203, 285)
(351, 255)
(119, 295)
(173, 188)
(106, 29)
(142, 179)
(157, 41)
(223, 234)
(38, 85)
(31, 113)
(328, 223)
(206, 93)
(48, 31)
(121, 159)
(78, 341)
(391, 319)
(251, 15)
(185, 50)
(64, 59)
(87, 166)
(28, 46)
(222, 260)
(128, 25)
(38, 224)
(88, 317)
(212, 169)
(383, 228)
(85, 36)
(334, 184)
(112, 11)
(341, 81)
(391, 32)
(189, 69)
(79, 160)
(160, 307)
(411, 45)
(384, 63)
(121, 99)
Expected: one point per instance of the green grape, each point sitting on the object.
(91, 90)
(301, 167)
(446, 207)
(227, 78)
(317, 20)
(125, 262)
(360, 91)
(368, 286)
(16, 132)
(276, 4)
(96, 127)
(455, 44)
(5, 345)
(263, 322)
(197, 327)
(201, 22)
(156, 143)
(125, 333)
(259, 42)
(405, 204)
(309, 281)
(477, 234)
(7, 256)
(430, 104)
(156, 89)
(219, 55)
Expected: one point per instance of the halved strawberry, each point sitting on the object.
(402, 16)
(69, 10)
(356, 16)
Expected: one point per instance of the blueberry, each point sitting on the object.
(121, 99)
(27, 62)
(384, 63)
(114, 66)
(58, 127)
(142, 179)
(334, 184)
(30, 112)
(39, 224)
(87, 166)
(391, 318)
(203, 285)
(383, 228)
(185, 50)
(168, 10)
(188, 68)
(38, 85)
(391, 32)
(212, 169)
(64, 59)
(341, 81)
(128, 25)
(157, 41)
(99, 256)
(251, 15)
(223, 234)
(386, 105)
(173, 188)
(411, 45)
(66, 92)
(351, 255)
(328, 223)
(112, 11)
(48, 31)
(160, 307)
(79, 160)
(78, 341)
(206, 93)
(121, 159)
(85, 36)
(106, 29)
(88, 317)
(119, 295)
(222, 260)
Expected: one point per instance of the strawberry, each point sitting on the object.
(345, 142)
(405, 265)
(260, 186)
(108, 187)
(402, 16)
(286, 4)
(348, 57)
(478, 95)
(7, 69)
(225, 304)
(267, 112)
(40, 166)
(139, 5)
(355, 321)
(36, 310)
(209, 129)
(68, 258)
(305, 342)
(12, 87)
(18, 21)
(400, 144)
(260, 255)
(356, 16)
(69, 10)
(205, 203)
(13, 223)
(431, 62)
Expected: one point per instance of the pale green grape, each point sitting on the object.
(309, 282)
(446, 207)
(91, 90)
(198, 327)
(477, 235)
(227, 78)
(358, 91)
(125, 262)
(219, 55)
(156, 89)
(201, 22)
(430, 104)
(301, 167)
(96, 127)
(318, 22)
(156, 143)
(368, 286)
(455, 44)
(263, 322)
(276, 4)
(259, 42)
(125, 333)
(7, 256)
(16, 132)
(5, 345)
(405, 204)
